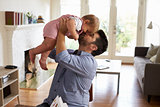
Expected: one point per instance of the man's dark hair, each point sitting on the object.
(101, 43)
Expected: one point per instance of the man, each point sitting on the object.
(75, 70)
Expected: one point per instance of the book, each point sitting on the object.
(9, 17)
(25, 19)
(103, 64)
(57, 102)
(16, 18)
(21, 18)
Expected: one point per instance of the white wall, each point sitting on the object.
(152, 14)
(17, 40)
(1, 54)
(55, 9)
(37, 7)
(2, 32)
(1, 46)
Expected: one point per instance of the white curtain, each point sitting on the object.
(84, 7)
(75, 7)
(55, 9)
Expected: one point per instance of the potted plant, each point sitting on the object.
(30, 17)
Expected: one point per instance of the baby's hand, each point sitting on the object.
(32, 56)
(73, 37)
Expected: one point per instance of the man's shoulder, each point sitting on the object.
(88, 62)
(88, 58)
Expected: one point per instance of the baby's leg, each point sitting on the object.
(50, 44)
(39, 49)
(32, 55)
(43, 59)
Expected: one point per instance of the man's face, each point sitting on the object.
(86, 39)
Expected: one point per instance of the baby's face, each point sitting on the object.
(87, 29)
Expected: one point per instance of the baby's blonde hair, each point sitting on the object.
(93, 21)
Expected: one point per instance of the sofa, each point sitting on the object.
(148, 73)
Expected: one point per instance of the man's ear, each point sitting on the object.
(94, 47)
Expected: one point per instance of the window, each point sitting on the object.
(102, 11)
(71, 7)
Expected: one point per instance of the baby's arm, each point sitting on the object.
(71, 25)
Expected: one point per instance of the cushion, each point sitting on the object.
(153, 58)
(139, 64)
(152, 51)
(157, 60)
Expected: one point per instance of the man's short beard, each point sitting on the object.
(82, 41)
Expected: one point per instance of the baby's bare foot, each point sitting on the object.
(43, 64)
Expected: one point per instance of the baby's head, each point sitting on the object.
(90, 23)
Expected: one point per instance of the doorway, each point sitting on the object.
(118, 18)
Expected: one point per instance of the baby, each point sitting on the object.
(75, 25)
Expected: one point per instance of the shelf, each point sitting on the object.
(9, 98)
(10, 89)
(9, 82)
(18, 27)
(4, 71)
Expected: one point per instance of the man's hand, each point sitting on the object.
(62, 26)
(71, 25)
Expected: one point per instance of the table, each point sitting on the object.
(9, 89)
(106, 66)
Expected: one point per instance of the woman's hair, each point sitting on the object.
(101, 43)
(93, 21)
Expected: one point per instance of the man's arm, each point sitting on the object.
(60, 45)
(81, 65)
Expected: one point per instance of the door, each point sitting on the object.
(118, 18)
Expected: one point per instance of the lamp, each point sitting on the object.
(150, 26)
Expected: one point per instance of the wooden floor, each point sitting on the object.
(105, 92)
